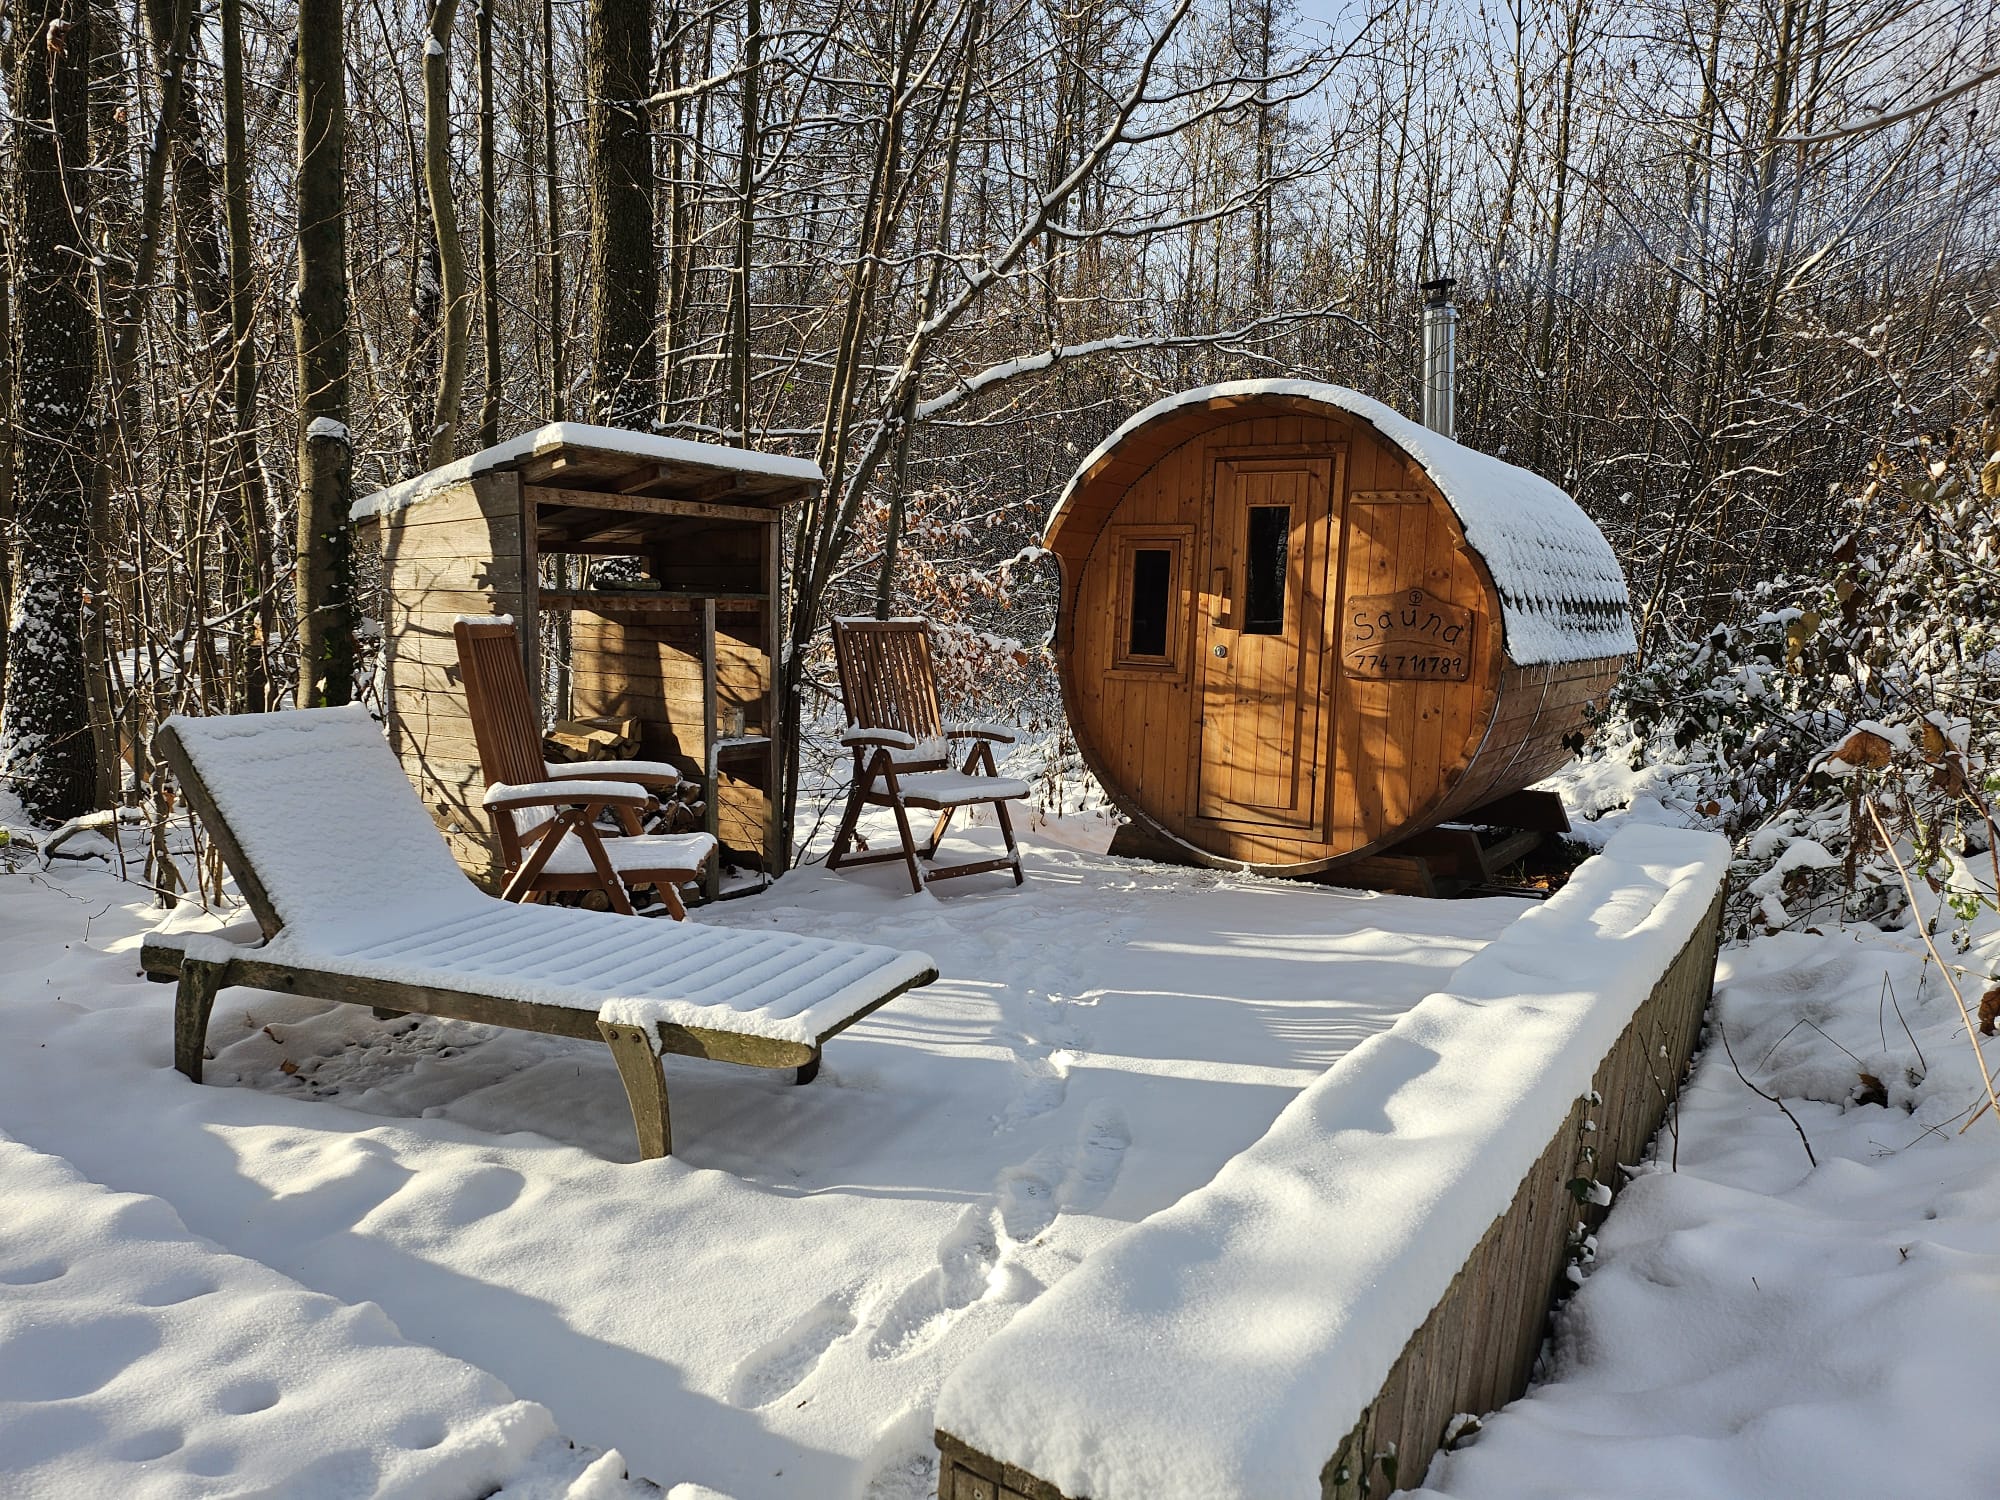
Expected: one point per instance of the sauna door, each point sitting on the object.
(1263, 612)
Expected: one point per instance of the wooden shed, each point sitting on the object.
(643, 572)
(1298, 630)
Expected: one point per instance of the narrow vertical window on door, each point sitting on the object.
(1266, 551)
(1151, 584)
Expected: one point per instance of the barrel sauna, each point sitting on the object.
(1297, 630)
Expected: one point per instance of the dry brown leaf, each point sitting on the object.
(288, 1067)
(1989, 1010)
(1864, 747)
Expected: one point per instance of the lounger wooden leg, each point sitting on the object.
(808, 1071)
(194, 999)
(645, 1087)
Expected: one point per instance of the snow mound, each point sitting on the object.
(1224, 1346)
(138, 1360)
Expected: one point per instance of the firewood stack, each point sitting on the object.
(575, 740)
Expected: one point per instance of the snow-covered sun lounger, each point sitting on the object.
(358, 900)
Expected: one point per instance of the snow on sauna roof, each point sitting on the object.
(619, 440)
(1562, 593)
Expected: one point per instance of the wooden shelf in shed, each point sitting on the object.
(608, 601)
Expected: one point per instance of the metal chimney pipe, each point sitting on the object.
(1440, 355)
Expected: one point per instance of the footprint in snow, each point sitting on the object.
(926, 1308)
(775, 1369)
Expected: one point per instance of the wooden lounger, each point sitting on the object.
(358, 900)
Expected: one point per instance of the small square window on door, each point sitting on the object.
(1151, 580)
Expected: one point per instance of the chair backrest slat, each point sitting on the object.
(504, 723)
(886, 679)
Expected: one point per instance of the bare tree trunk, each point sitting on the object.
(320, 330)
(558, 395)
(746, 221)
(1558, 209)
(443, 435)
(489, 237)
(885, 583)
(246, 463)
(45, 739)
(8, 271)
(624, 271)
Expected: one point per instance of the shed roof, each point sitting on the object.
(585, 444)
(1562, 593)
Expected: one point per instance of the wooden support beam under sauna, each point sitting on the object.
(644, 574)
(1297, 630)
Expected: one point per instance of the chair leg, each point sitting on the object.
(1007, 833)
(929, 851)
(521, 884)
(863, 779)
(903, 828)
(645, 1087)
(671, 894)
(194, 999)
(608, 879)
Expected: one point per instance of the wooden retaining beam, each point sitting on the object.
(1472, 1352)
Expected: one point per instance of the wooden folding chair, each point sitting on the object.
(902, 750)
(544, 813)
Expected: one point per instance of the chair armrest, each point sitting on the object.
(647, 773)
(1000, 734)
(895, 739)
(500, 797)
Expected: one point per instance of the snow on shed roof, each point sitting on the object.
(1562, 592)
(556, 435)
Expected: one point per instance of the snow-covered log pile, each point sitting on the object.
(1382, 1258)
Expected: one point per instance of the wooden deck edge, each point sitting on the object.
(1477, 1348)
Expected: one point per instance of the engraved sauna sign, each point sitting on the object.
(1408, 636)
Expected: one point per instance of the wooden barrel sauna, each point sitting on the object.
(1298, 629)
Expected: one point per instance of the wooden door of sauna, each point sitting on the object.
(1263, 622)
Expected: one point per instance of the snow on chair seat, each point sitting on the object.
(939, 789)
(137, 1359)
(359, 901)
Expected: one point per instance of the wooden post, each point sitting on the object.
(711, 756)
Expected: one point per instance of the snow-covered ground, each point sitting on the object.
(771, 1312)
(1757, 1326)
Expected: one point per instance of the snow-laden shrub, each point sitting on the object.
(1869, 689)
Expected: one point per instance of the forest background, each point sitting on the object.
(1730, 273)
